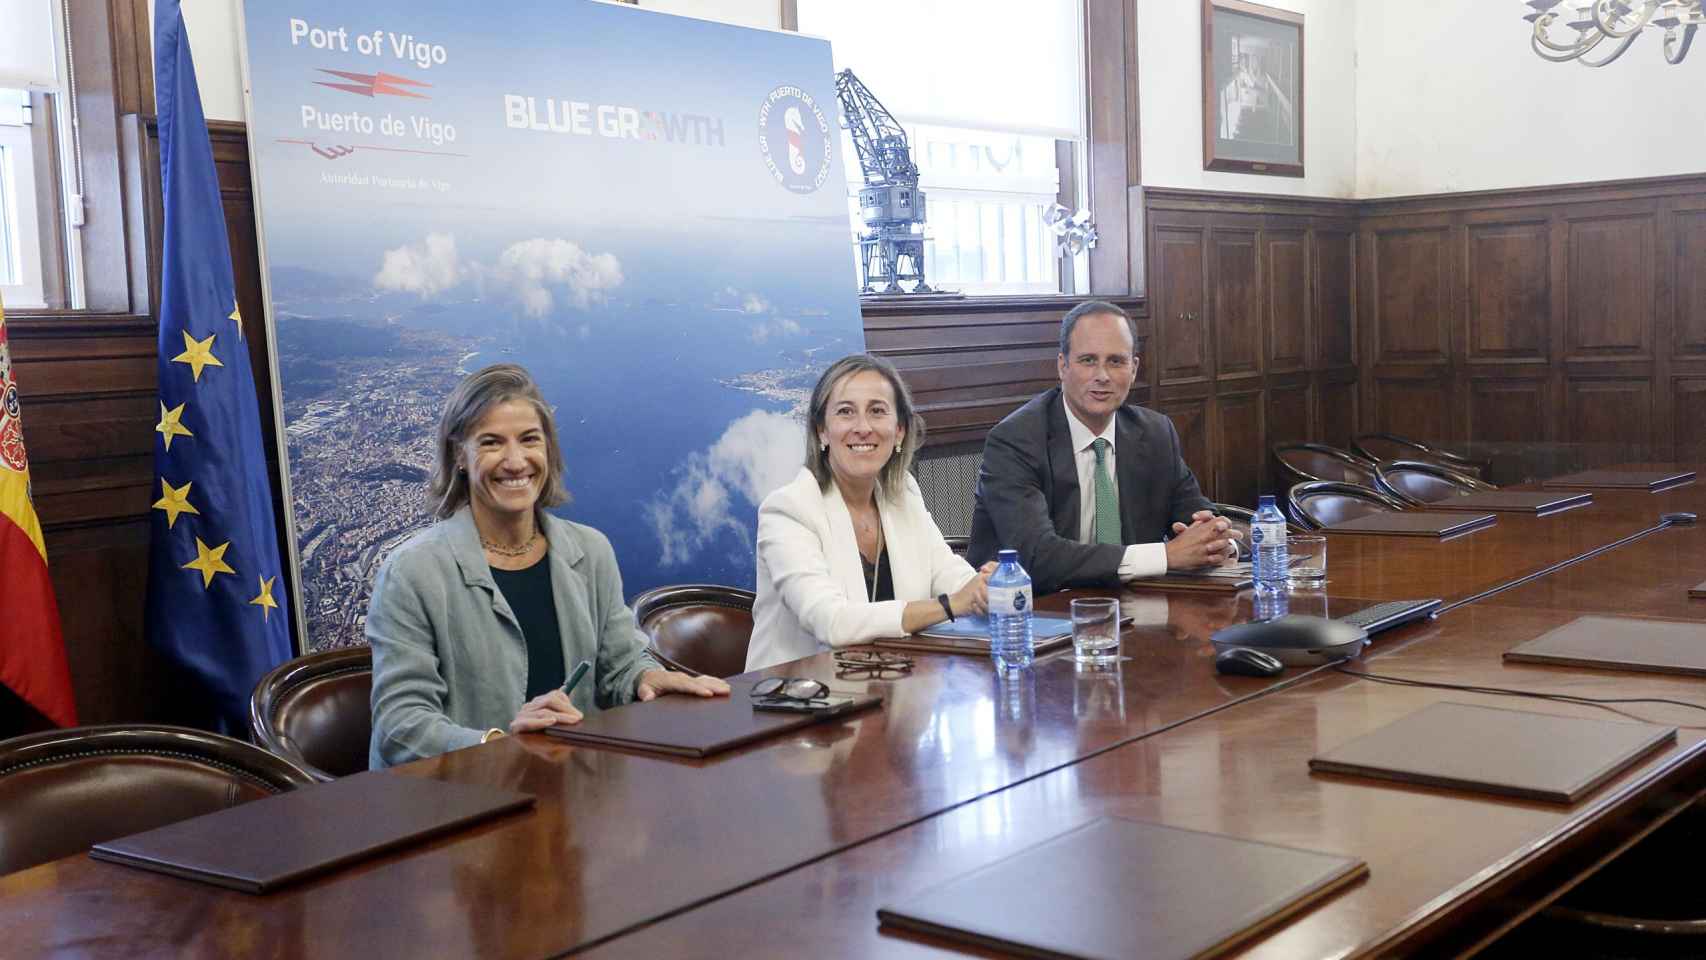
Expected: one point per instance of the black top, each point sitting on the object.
(529, 594)
(879, 572)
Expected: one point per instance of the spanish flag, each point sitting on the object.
(32, 651)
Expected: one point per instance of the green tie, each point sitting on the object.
(1106, 527)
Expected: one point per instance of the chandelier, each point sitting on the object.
(1619, 21)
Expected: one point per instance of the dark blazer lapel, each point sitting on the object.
(1130, 453)
(1063, 467)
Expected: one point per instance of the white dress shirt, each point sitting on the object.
(1141, 559)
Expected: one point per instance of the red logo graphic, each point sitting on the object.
(375, 84)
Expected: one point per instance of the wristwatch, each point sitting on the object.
(947, 608)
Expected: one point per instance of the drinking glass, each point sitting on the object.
(1308, 557)
(1096, 630)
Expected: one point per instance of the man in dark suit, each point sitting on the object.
(1045, 463)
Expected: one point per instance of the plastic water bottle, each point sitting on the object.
(1267, 542)
(1010, 613)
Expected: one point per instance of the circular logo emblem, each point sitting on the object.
(12, 444)
(794, 139)
(1255, 533)
(1019, 602)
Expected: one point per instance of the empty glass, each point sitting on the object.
(1096, 630)
(1308, 557)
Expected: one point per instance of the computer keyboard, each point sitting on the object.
(1385, 616)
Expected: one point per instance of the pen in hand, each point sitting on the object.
(575, 677)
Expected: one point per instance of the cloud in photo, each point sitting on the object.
(778, 327)
(719, 488)
(537, 271)
(427, 268)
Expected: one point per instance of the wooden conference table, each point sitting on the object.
(790, 845)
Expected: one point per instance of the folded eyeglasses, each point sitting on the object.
(798, 689)
(871, 665)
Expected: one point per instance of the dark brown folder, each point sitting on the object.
(977, 646)
(1620, 643)
(1120, 888)
(1698, 591)
(1230, 578)
(1623, 479)
(1513, 753)
(1513, 501)
(698, 726)
(1415, 523)
(265, 844)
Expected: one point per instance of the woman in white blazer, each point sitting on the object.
(847, 551)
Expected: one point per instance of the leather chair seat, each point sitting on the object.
(63, 791)
(704, 628)
(1301, 462)
(317, 711)
(1323, 503)
(1418, 483)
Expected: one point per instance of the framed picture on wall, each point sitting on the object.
(1252, 88)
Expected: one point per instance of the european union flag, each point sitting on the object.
(214, 593)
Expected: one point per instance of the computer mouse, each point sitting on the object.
(1245, 662)
(1295, 639)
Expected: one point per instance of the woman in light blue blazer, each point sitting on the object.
(477, 620)
(847, 551)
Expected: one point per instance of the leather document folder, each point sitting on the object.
(1512, 753)
(1513, 501)
(970, 634)
(260, 846)
(699, 726)
(1620, 643)
(1416, 523)
(1120, 888)
(1623, 479)
(1698, 591)
(1227, 578)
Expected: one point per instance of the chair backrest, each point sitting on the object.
(1418, 483)
(1381, 447)
(701, 627)
(62, 791)
(1300, 462)
(316, 711)
(1322, 503)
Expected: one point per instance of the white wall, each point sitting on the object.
(1451, 97)
(1169, 64)
(215, 40)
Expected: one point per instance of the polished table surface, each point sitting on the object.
(630, 853)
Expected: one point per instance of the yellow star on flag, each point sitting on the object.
(236, 315)
(265, 600)
(198, 354)
(174, 502)
(209, 561)
(169, 426)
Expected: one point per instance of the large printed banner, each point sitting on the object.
(646, 211)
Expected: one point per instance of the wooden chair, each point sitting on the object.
(1302, 462)
(698, 627)
(1322, 503)
(63, 791)
(1381, 447)
(316, 711)
(1417, 483)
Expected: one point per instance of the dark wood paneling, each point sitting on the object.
(1238, 439)
(1509, 279)
(1338, 413)
(1286, 259)
(1689, 404)
(1181, 326)
(1236, 319)
(1509, 410)
(1190, 418)
(1611, 287)
(1411, 408)
(1690, 270)
(1411, 296)
(1288, 415)
(1335, 314)
(1608, 411)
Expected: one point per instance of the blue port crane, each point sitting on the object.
(891, 250)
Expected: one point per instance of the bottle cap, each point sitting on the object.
(1007, 555)
(1267, 500)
